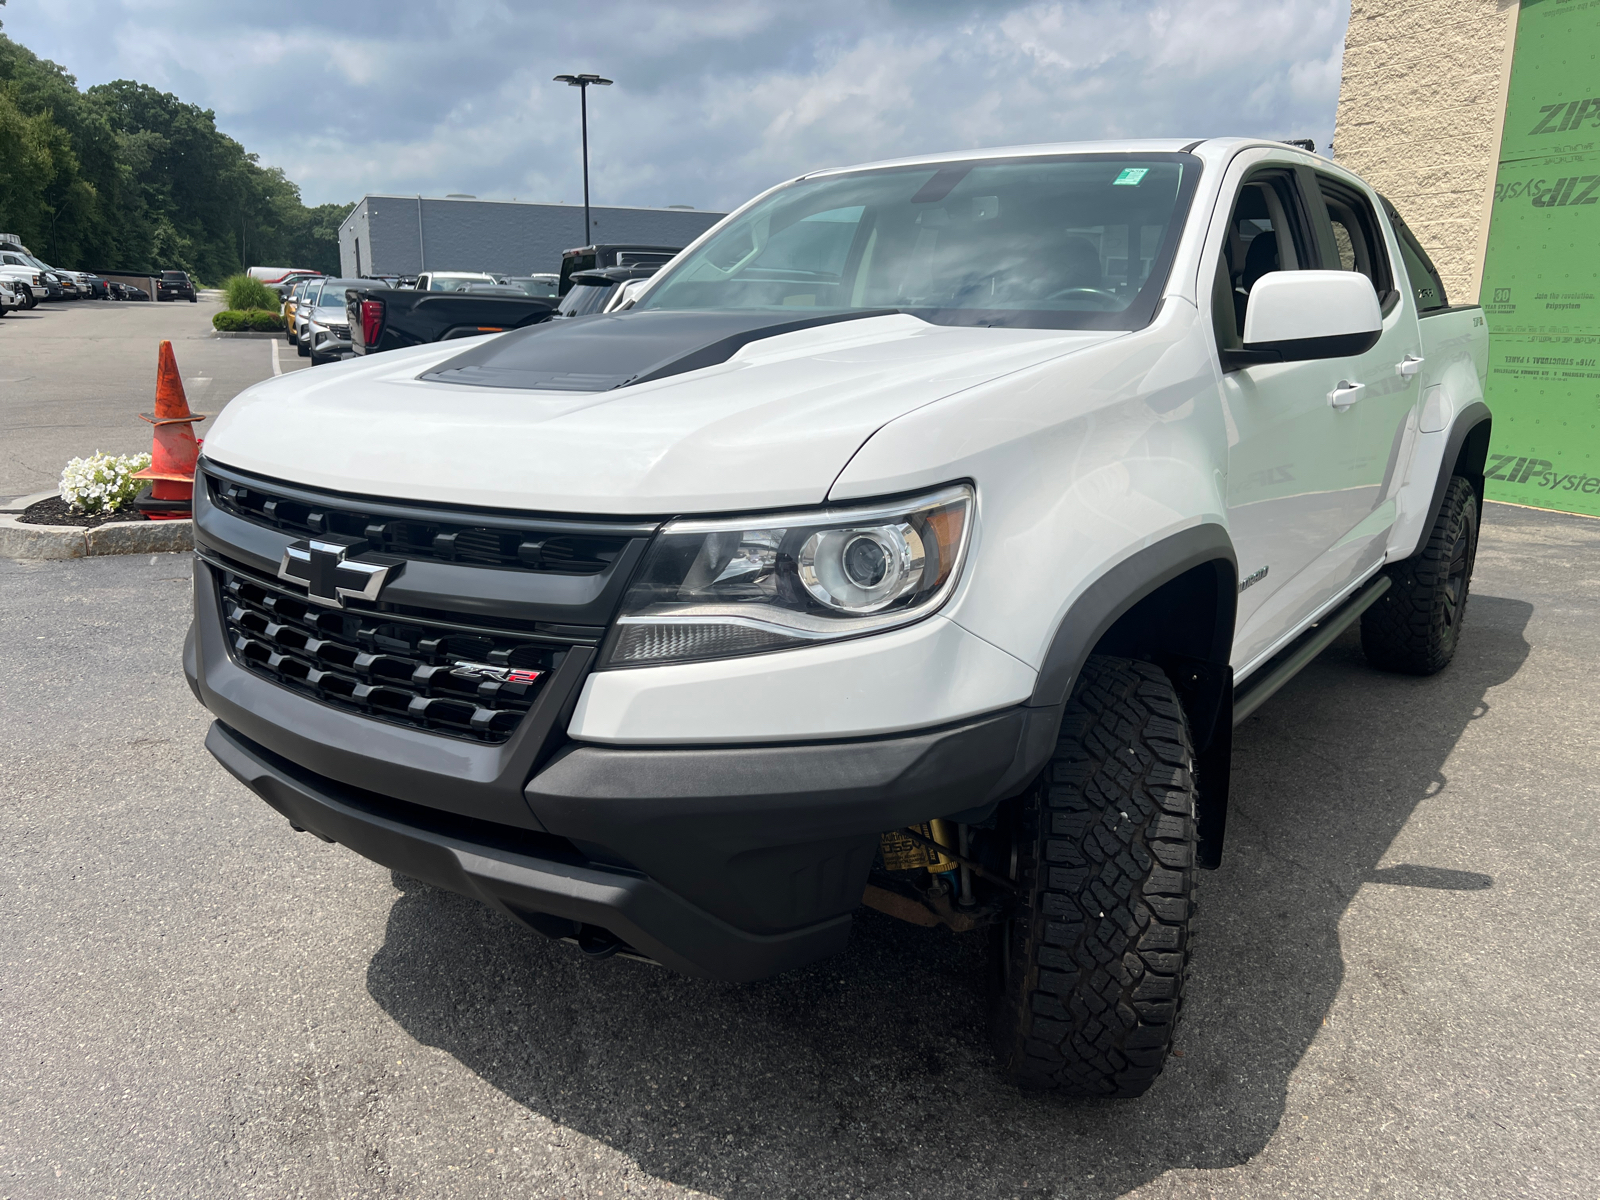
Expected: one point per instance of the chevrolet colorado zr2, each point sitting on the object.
(916, 539)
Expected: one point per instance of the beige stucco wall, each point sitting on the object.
(1420, 108)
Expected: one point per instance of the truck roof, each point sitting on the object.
(1206, 148)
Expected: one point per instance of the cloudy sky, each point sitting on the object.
(712, 101)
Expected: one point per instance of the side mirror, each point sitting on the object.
(1296, 316)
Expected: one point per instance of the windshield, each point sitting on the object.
(333, 292)
(541, 287)
(455, 283)
(1075, 242)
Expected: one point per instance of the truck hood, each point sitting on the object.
(770, 427)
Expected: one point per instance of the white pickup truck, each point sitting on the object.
(916, 539)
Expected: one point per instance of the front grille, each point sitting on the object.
(342, 332)
(391, 667)
(438, 540)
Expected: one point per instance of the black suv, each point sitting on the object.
(175, 285)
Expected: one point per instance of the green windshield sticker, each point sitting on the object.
(1131, 176)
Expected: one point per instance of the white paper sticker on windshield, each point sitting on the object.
(1131, 176)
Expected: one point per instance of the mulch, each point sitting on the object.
(55, 511)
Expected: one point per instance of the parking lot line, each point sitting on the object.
(277, 367)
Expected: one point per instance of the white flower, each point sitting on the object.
(102, 482)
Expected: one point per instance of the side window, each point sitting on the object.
(1358, 237)
(1267, 231)
(1426, 286)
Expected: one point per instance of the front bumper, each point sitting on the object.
(324, 342)
(726, 862)
(544, 890)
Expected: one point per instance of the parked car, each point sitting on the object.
(857, 566)
(176, 285)
(590, 258)
(71, 282)
(83, 281)
(302, 316)
(452, 281)
(17, 269)
(128, 291)
(11, 296)
(327, 327)
(95, 288)
(284, 287)
(291, 304)
(598, 291)
(383, 319)
(280, 276)
(51, 283)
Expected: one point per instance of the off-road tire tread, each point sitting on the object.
(1405, 630)
(1100, 946)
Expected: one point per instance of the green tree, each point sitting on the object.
(126, 177)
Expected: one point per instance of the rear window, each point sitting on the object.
(176, 275)
(583, 299)
(642, 258)
(1426, 286)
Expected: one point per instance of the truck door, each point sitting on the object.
(1288, 474)
(1378, 389)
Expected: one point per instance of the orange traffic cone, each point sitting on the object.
(173, 450)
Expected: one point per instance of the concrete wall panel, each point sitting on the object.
(1420, 109)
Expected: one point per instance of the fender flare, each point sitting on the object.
(1204, 682)
(1105, 600)
(1467, 446)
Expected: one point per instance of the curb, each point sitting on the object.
(71, 541)
(22, 503)
(247, 333)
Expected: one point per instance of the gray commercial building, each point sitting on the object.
(405, 235)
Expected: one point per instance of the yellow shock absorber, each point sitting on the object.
(945, 834)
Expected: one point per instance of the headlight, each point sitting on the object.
(718, 588)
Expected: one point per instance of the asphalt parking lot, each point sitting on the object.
(1393, 992)
(75, 375)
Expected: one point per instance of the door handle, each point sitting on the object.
(1346, 394)
(1408, 366)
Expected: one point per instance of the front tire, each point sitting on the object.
(1093, 960)
(301, 348)
(1415, 626)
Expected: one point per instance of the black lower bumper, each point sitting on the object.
(636, 909)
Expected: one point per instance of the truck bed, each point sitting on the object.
(412, 318)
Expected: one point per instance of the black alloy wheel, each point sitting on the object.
(1415, 626)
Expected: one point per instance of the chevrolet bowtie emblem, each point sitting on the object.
(324, 567)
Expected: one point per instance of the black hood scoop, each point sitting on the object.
(612, 350)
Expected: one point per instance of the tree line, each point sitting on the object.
(122, 177)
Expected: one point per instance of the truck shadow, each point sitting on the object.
(870, 1074)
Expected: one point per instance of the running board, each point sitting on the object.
(1313, 642)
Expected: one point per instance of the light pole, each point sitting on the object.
(582, 82)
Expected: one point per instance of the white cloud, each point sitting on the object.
(713, 101)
